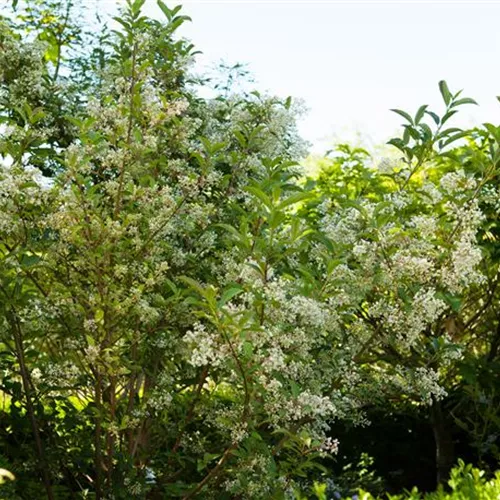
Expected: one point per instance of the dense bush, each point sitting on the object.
(183, 314)
(465, 483)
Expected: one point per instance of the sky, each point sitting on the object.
(351, 61)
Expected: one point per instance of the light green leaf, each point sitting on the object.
(99, 316)
(465, 100)
(137, 6)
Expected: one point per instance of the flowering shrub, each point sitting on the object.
(181, 316)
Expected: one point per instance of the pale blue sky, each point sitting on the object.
(352, 61)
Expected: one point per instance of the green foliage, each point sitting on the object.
(466, 483)
(346, 174)
(182, 315)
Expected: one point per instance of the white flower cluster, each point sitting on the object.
(461, 269)
(456, 181)
(398, 257)
(330, 446)
(204, 346)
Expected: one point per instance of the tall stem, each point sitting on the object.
(26, 381)
(129, 130)
(98, 437)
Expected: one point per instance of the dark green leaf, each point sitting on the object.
(445, 92)
(398, 143)
(434, 116)
(30, 260)
(404, 114)
(447, 116)
(420, 113)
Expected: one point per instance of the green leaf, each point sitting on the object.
(30, 260)
(207, 458)
(212, 147)
(493, 130)
(468, 373)
(263, 197)
(455, 137)
(406, 134)
(398, 143)
(241, 138)
(404, 114)
(137, 135)
(178, 21)
(229, 294)
(176, 10)
(465, 100)
(230, 229)
(199, 158)
(412, 132)
(381, 206)
(193, 284)
(426, 131)
(448, 115)
(28, 184)
(171, 285)
(99, 316)
(295, 198)
(166, 11)
(276, 218)
(295, 388)
(124, 23)
(403, 295)
(137, 6)
(247, 349)
(453, 301)
(434, 116)
(449, 131)
(420, 113)
(445, 92)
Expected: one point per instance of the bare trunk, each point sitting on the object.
(445, 453)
